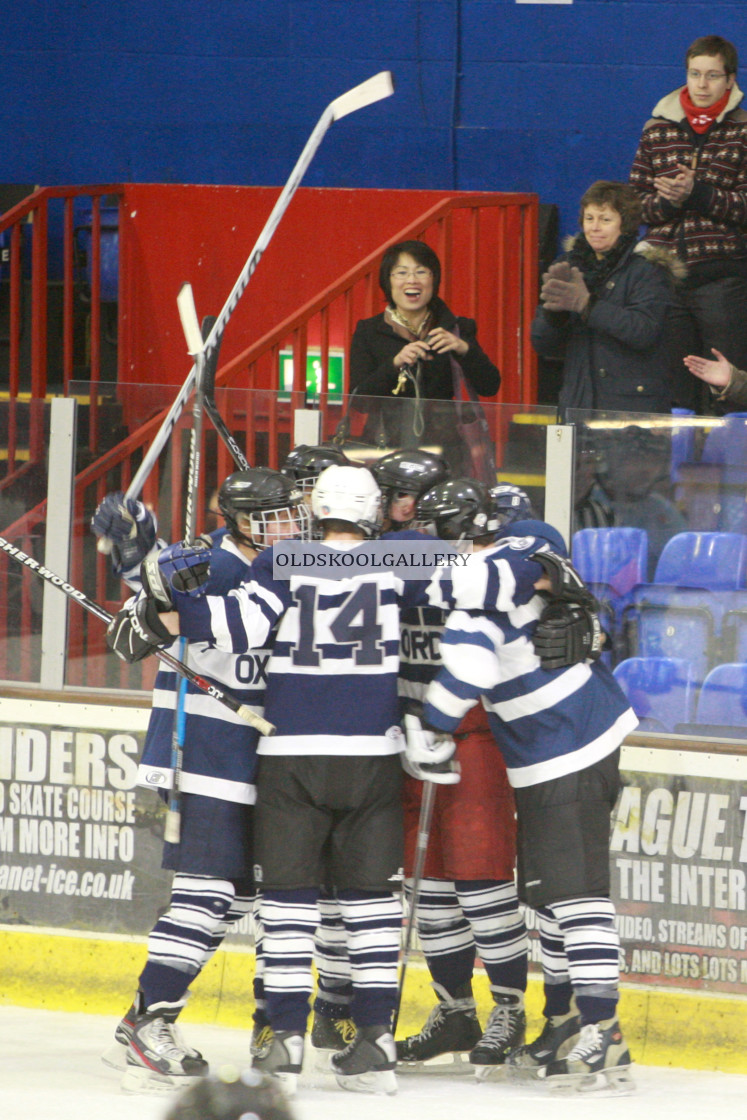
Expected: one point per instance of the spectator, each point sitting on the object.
(603, 309)
(407, 351)
(690, 171)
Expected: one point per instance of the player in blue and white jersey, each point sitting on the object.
(213, 885)
(559, 731)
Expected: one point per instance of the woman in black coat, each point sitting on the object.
(407, 353)
(604, 307)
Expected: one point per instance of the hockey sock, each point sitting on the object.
(186, 936)
(558, 989)
(592, 947)
(334, 989)
(373, 924)
(289, 922)
(492, 909)
(260, 1009)
(445, 935)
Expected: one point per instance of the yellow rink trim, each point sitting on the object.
(70, 972)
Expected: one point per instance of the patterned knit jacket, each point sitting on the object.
(712, 223)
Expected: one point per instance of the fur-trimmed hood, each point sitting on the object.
(656, 254)
(670, 108)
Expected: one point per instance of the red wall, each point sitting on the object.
(204, 234)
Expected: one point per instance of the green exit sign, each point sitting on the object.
(335, 372)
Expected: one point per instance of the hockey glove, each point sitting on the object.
(425, 744)
(179, 568)
(442, 773)
(567, 633)
(566, 583)
(136, 631)
(129, 525)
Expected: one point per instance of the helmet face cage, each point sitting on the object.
(261, 506)
(461, 509)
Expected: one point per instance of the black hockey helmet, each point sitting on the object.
(409, 472)
(259, 504)
(232, 1096)
(306, 462)
(462, 509)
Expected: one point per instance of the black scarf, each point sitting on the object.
(596, 271)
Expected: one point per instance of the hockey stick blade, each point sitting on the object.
(185, 302)
(379, 86)
(367, 93)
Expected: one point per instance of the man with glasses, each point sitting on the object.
(691, 172)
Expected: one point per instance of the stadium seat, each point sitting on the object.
(722, 703)
(661, 690)
(611, 561)
(700, 580)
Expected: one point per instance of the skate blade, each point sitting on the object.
(115, 1056)
(374, 1081)
(497, 1072)
(453, 1062)
(141, 1080)
(321, 1057)
(614, 1082)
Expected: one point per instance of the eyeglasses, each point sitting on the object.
(711, 76)
(406, 273)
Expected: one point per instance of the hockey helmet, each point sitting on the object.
(511, 503)
(305, 463)
(462, 509)
(347, 493)
(261, 505)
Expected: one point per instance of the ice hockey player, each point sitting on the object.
(402, 477)
(559, 731)
(468, 902)
(212, 863)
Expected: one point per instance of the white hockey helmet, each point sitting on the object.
(347, 494)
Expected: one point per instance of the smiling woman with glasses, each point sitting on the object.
(409, 351)
(690, 172)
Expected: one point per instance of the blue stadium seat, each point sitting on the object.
(661, 690)
(726, 447)
(723, 698)
(611, 561)
(700, 581)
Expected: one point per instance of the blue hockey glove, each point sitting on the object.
(180, 568)
(129, 526)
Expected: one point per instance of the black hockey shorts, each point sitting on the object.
(215, 839)
(322, 819)
(563, 834)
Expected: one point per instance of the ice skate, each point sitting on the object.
(115, 1054)
(558, 1037)
(261, 1040)
(283, 1058)
(158, 1058)
(505, 1031)
(329, 1036)
(599, 1059)
(367, 1065)
(450, 1032)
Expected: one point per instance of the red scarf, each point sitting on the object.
(701, 119)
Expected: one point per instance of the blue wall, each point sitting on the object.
(491, 94)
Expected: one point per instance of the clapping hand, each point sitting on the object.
(716, 373)
(676, 188)
(564, 289)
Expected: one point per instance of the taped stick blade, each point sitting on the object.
(185, 302)
(381, 85)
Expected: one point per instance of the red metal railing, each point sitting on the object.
(488, 248)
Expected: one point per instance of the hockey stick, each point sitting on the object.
(421, 849)
(239, 709)
(211, 408)
(368, 92)
(195, 342)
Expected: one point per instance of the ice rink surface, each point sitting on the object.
(50, 1070)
